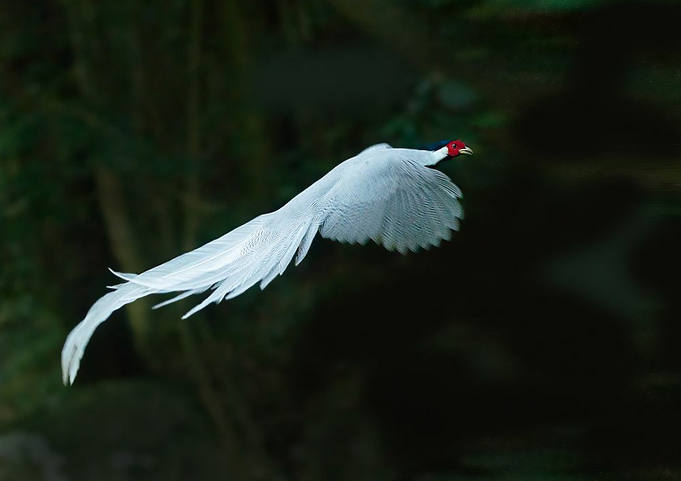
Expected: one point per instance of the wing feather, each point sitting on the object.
(398, 203)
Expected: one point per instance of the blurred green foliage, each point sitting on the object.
(541, 343)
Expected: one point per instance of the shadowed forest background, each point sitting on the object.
(541, 343)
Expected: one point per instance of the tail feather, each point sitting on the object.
(74, 347)
(215, 296)
(306, 242)
(126, 276)
(179, 297)
(254, 252)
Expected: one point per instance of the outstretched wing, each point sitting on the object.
(396, 202)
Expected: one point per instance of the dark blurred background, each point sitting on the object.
(541, 343)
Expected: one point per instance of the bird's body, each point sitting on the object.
(385, 194)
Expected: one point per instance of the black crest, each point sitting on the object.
(436, 145)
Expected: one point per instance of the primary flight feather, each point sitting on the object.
(389, 195)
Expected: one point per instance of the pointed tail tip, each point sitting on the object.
(70, 361)
(68, 378)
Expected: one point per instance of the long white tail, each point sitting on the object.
(255, 252)
(100, 311)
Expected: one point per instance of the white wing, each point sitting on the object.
(393, 200)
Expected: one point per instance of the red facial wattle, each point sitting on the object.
(454, 147)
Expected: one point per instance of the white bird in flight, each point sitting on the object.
(389, 195)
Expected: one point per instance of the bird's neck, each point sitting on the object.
(437, 156)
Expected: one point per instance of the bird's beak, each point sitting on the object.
(466, 150)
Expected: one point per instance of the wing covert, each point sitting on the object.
(397, 203)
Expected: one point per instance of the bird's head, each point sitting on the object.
(446, 149)
(456, 147)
